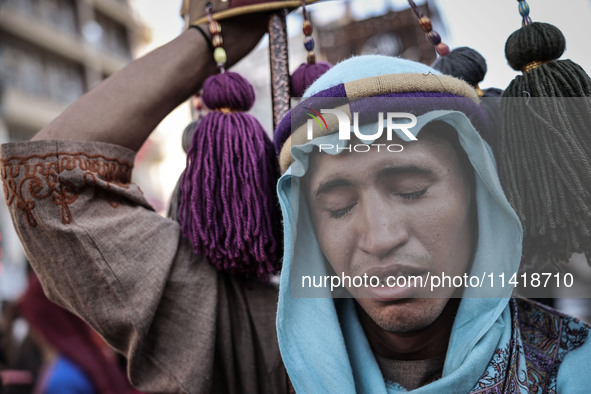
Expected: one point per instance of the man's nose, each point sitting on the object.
(383, 228)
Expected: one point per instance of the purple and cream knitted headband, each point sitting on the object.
(417, 92)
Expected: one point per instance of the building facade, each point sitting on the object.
(51, 53)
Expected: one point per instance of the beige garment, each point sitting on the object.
(411, 374)
(103, 253)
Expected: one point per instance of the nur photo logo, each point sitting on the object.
(317, 116)
(398, 123)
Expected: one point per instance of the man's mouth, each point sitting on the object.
(396, 282)
(395, 271)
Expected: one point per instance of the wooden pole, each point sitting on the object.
(279, 65)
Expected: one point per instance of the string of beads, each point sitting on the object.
(426, 25)
(215, 29)
(307, 29)
(524, 12)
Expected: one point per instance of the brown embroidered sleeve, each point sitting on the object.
(102, 252)
(96, 244)
(29, 178)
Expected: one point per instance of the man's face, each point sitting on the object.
(391, 214)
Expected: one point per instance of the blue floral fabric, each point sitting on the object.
(541, 338)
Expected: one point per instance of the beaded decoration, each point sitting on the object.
(523, 8)
(308, 72)
(307, 29)
(524, 12)
(426, 25)
(463, 62)
(215, 29)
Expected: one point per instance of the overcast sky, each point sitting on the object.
(481, 24)
(485, 25)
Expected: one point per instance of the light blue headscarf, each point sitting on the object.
(322, 343)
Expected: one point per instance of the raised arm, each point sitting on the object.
(102, 252)
(126, 107)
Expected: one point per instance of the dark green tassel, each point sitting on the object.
(545, 165)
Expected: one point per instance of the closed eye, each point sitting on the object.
(339, 213)
(414, 195)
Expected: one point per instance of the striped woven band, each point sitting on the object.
(434, 90)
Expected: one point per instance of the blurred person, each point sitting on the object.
(22, 355)
(26, 361)
(73, 361)
(4, 333)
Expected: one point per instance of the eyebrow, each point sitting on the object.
(403, 170)
(328, 186)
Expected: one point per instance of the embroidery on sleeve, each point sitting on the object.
(39, 176)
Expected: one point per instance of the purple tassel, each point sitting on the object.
(228, 209)
(305, 75)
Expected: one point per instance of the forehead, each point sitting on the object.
(430, 154)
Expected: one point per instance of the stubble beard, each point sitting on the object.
(408, 319)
